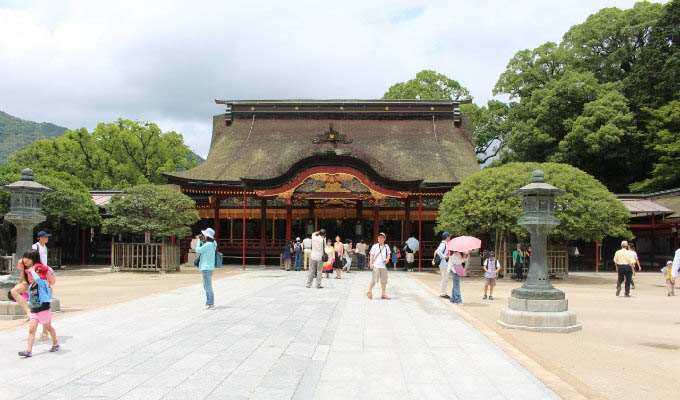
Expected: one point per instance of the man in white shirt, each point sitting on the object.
(623, 261)
(361, 255)
(307, 246)
(380, 253)
(316, 255)
(41, 246)
(442, 252)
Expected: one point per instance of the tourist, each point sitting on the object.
(442, 252)
(297, 247)
(207, 247)
(361, 254)
(348, 256)
(287, 255)
(491, 267)
(396, 255)
(316, 256)
(457, 266)
(339, 248)
(636, 261)
(332, 255)
(307, 246)
(623, 261)
(527, 258)
(410, 258)
(40, 299)
(518, 262)
(676, 266)
(41, 246)
(668, 274)
(379, 254)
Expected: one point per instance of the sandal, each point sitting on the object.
(370, 295)
(386, 297)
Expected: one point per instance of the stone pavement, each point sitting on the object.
(270, 338)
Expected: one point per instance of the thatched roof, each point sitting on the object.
(262, 143)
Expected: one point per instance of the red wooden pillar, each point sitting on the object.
(289, 221)
(263, 226)
(407, 218)
(83, 242)
(420, 231)
(243, 233)
(216, 222)
(376, 222)
(597, 256)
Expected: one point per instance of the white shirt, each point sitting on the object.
(318, 244)
(43, 252)
(307, 245)
(455, 259)
(676, 264)
(361, 249)
(380, 255)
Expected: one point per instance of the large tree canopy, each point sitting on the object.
(428, 85)
(161, 210)
(115, 155)
(573, 99)
(484, 203)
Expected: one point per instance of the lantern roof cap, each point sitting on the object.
(26, 183)
(538, 185)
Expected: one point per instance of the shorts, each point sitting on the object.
(669, 281)
(491, 281)
(410, 258)
(379, 274)
(42, 317)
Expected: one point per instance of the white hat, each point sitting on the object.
(624, 243)
(669, 262)
(209, 233)
(297, 239)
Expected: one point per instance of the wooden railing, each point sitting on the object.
(155, 257)
(54, 257)
(556, 257)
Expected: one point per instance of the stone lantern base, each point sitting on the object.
(539, 315)
(10, 310)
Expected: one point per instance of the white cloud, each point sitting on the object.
(79, 63)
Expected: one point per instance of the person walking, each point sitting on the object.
(41, 246)
(410, 258)
(457, 266)
(668, 274)
(332, 256)
(491, 266)
(636, 263)
(316, 256)
(518, 262)
(287, 255)
(339, 248)
(361, 254)
(347, 262)
(297, 247)
(442, 252)
(396, 255)
(307, 247)
(379, 254)
(675, 270)
(623, 260)
(207, 247)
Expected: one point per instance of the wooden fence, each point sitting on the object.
(154, 257)
(557, 258)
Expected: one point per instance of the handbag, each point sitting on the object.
(197, 260)
(324, 257)
(460, 270)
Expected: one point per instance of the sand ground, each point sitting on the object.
(629, 347)
(84, 289)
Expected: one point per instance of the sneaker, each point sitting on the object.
(445, 296)
(55, 348)
(210, 308)
(484, 298)
(490, 297)
(25, 354)
(618, 290)
(319, 287)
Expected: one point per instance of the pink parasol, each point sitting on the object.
(464, 243)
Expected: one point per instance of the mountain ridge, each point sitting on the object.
(16, 134)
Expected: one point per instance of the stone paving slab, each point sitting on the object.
(270, 338)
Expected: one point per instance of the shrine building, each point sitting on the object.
(282, 169)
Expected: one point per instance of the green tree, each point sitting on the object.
(665, 123)
(484, 203)
(161, 210)
(428, 85)
(114, 156)
(489, 128)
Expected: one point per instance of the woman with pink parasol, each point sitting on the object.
(459, 262)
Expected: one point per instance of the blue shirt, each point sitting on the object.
(44, 293)
(207, 252)
(441, 252)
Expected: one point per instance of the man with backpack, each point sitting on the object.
(441, 257)
(297, 248)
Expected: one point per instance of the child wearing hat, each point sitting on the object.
(491, 267)
(670, 285)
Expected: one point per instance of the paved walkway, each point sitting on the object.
(270, 338)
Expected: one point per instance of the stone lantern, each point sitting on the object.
(537, 305)
(25, 213)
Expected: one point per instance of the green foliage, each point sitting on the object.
(428, 85)
(69, 202)
(489, 127)
(484, 203)
(16, 134)
(161, 210)
(665, 123)
(114, 156)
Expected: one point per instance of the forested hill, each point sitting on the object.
(16, 134)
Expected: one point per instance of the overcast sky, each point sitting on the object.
(79, 63)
